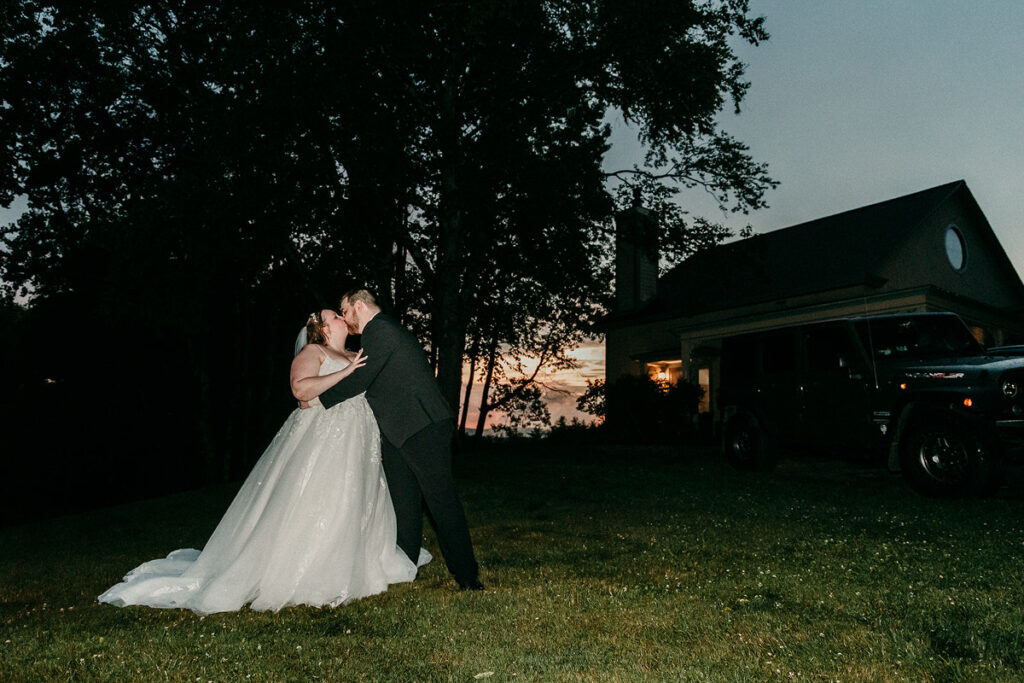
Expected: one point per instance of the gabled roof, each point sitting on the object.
(838, 251)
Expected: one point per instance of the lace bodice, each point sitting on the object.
(327, 367)
(331, 365)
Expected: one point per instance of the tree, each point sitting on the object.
(160, 191)
(507, 93)
(594, 400)
(198, 173)
(640, 409)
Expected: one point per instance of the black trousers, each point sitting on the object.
(421, 470)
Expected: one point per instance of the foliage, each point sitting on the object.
(618, 57)
(524, 411)
(200, 176)
(635, 409)
(576, 432)
(600, 564)
(164, 191)
(593, 400)
(544, 334)
(680, 234)
(642, 410)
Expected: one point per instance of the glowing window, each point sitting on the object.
(704, 380)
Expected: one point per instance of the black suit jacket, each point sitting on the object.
(399, 384)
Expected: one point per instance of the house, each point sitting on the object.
(932, 250)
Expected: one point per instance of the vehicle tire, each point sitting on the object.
(944, 457)
(745, 445)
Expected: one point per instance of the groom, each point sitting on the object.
(416, 427)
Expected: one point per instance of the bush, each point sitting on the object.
(637, 409)
(576, 433)
(644, 411)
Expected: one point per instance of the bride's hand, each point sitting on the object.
(357, 362)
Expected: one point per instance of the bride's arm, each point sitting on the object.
(306, 384)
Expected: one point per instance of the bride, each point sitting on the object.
(312, 524)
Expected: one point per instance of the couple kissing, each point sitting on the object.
(332, 511)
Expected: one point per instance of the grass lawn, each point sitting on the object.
(609, 564)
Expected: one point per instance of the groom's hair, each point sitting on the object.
(360, 294)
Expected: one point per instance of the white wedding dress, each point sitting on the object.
(312, 525)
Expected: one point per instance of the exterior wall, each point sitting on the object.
(843, 303)
(710, 337)
(922, 260)
(697, 340)
(917, 278)
(998, 328)
(628, 348)
(636, 258)
(623, 346)
(919, 300)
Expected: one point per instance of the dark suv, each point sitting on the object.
(917, 390)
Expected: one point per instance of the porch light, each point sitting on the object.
(968, 402)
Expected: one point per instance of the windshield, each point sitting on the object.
(926, 336)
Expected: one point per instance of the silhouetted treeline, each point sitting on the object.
(100, 404)
(200, 176)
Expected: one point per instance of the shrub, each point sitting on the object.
(637, 409)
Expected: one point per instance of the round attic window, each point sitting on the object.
(956, 250)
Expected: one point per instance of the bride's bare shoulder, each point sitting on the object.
(311, 351)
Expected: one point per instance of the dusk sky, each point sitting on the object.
(853, 103)
(857, 102)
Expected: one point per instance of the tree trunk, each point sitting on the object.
(399, 298)
(481, 420)
(469, 386)
(449, 314)
(451, 340)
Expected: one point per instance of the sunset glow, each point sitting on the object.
(561, 387)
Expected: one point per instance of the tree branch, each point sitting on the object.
(687, 180)
(522, 384)
(417, 254)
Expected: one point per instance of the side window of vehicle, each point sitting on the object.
(828, 348)
(778, 353)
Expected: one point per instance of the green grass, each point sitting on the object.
(617, 564)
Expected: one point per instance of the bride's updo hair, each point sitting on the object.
(315, 329)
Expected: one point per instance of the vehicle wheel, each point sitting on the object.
(942, 457)
(745, 444)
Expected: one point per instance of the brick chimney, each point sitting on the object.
(636, 256)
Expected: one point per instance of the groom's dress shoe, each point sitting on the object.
(471, 585)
